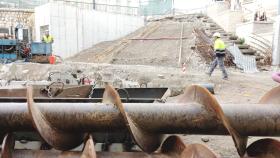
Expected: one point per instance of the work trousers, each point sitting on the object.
(218, 61)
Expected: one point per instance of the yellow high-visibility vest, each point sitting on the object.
(219, 45)
(48, 39)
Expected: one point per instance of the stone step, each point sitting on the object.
(237, 41)
(216, 28)
(224, 34)
(227, 41)
(210, 22)
(233, 37)
(213, 25)
(259, 58)
(243, 46)
(221, 31)
(228, 38)
(200, 16)
(248, 51)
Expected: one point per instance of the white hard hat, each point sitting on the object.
(217, 34)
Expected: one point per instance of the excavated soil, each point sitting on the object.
(160, 46)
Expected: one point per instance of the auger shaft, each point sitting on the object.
(167, 118)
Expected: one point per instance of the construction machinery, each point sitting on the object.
(18, 46)
(134, 118)
(8, 49)
(13, 46)
(12, 50)
(40, 52)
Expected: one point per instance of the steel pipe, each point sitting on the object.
(168, 118)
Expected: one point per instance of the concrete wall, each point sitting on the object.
(263, 29)
(269, 6)
(224, 17)
(75, 29)
(10, 18)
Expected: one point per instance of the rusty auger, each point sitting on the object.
(65, 126)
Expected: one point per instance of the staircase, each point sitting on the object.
(245, 55)
(211, 27)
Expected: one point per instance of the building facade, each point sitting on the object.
(15, 18)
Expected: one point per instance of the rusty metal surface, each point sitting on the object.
(271, 97)
(81, 94)
(173, 147)
(65, 125)
(68, 92)
(57, 154)
(133, 92)
(58, 139)
(7, 146)
(203, 97)
(168, 118)
(146, 140)
(264, 148)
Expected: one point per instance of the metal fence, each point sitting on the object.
(78, 4)
(21, 4)
(144, 8)
(119, 9)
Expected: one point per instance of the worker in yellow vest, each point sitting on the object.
(47, 38)
(219, 48)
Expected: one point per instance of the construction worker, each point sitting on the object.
(219, 48)
(47, 38)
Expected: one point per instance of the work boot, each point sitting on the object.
(225, 78)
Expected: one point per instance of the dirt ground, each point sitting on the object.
(240, 88)
(138, 49)
(154, 62)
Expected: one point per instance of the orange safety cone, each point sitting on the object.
(52, 59)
